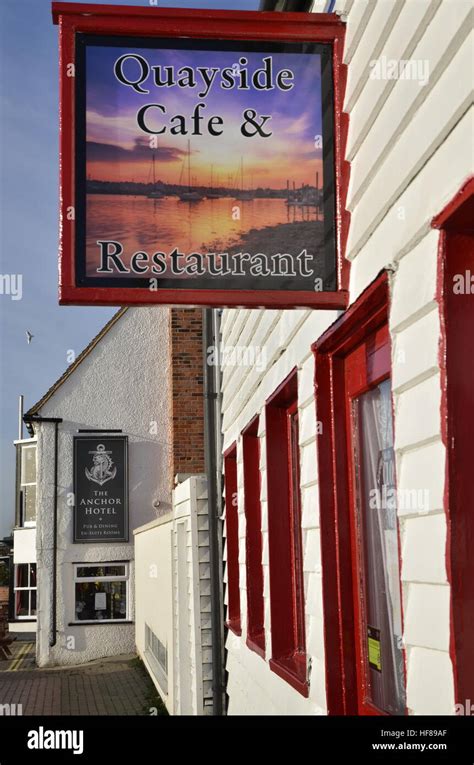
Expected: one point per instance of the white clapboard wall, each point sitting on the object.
(410, 151)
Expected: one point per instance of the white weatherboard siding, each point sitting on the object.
(410, 151)
(192, 599)
(173, 598)
(99, 395)
(154, 600)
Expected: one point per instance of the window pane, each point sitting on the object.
(29, 503)
(96, 571)
(33, 602)
(22, 600)
(298, 581)
(28, 464)
(378, 529)
(101, 600)
(22, 575)
(32, 574)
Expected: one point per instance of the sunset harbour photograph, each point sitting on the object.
(236, 380)
(207, 159)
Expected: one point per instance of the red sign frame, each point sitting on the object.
(231, 25)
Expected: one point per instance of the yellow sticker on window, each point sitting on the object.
(373, 640)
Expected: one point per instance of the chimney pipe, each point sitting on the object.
(20, 417)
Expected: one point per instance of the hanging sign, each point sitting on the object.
(198, 157)
(100, 489)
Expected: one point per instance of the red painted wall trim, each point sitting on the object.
(253, 538)
(130, 20)
(120, 11)
(456, 360)
(232, 539)
(369, 312)
(450, 217)
(288, 658)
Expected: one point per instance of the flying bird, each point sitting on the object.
(29, 336)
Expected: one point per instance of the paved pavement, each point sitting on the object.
(114, 686)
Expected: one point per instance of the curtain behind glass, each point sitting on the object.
(378, 537)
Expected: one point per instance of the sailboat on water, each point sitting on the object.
(243, 195)
(191, 195)
(155, 193)
(213, 193)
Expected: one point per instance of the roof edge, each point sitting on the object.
(72, 367)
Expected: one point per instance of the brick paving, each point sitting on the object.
(114, 686)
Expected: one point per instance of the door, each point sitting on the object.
(374, 542)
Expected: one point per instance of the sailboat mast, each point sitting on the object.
(242, 173)
(154, 177)
(189, 165)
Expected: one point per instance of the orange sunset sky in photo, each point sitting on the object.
(118, 150)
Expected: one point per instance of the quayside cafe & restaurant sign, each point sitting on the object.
(199, 158)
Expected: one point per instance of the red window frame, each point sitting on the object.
(456, 258)
(232, 540)
(364, 319)
(131, 21)
(368, 365)
(287, 600)
(253, 538)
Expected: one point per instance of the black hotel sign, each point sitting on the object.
(101, 489)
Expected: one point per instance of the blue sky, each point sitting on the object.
(29, 219)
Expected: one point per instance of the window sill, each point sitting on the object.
(234, 626)
(99, 622)
(293, 671)
(257, 644)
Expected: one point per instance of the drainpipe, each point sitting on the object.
(29, 419)
(212, 452)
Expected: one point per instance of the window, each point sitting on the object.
(157, 655)
(232, 539)
(101, 592)
(25, 591)
(364, 656)
(376, 554)
(456, 300)
(27, 484)
(284, 535)
(253, 541)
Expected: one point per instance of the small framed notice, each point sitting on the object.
(373, 640)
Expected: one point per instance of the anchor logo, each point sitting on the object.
(103, 469)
